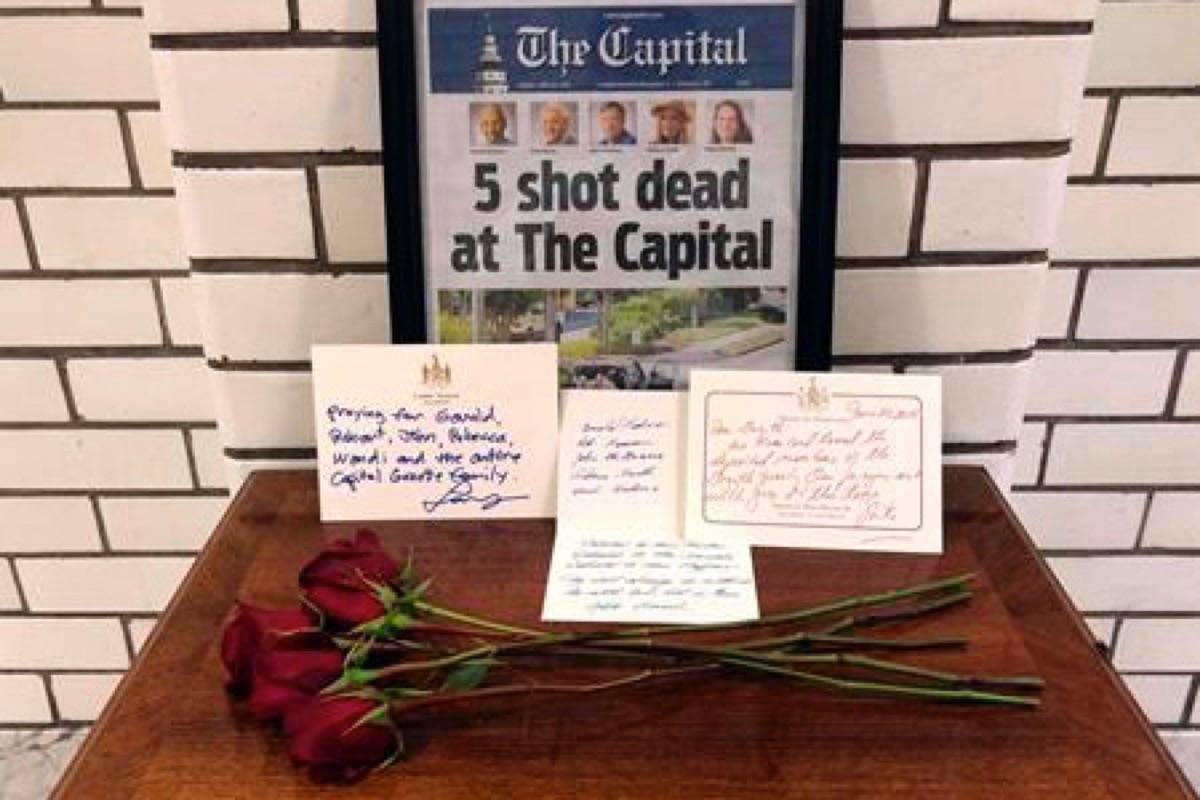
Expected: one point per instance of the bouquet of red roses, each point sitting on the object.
(367, 650)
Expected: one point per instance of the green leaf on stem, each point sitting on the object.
(468, 674)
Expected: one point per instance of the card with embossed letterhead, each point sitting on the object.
(832, 461)
(619, 552)
(436, 431)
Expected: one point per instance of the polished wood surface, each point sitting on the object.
(170, 733)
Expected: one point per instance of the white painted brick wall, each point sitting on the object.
(183, 318)
(118, 584)
(83, 459)
(991, 89)
(210, 463)
(1030, 446)
(81, 698)
(1156, 136)
(1162, 697)
(141, 388)
(1129, 221)
(47, 524)
(1124, 453)
(1174, 520)
(75, 59)
(1024, 10)
(1085, 147)
(1118, 583)
(1081, 520)
(161, 523)
(1154, 304)
(352, 211)
(100, 233)
(10, 598)
(1185, 747)
(980, 402)
(62, 313)
(23, 699)
(1158, 645)
(875, 206)
(246, 214)
(153, 153)
(62, 643)
(1146, 44)
(1188, 402)
(13, 253)
(345, 15)
(1001, 204)
(1069, 382)
(265, 409)
(267, 100)
(35, 392)
(139, 632)
(1058, 297)
(187, 16)
(61, 148)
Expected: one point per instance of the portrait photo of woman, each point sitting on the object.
(672, 122)
(729, 124)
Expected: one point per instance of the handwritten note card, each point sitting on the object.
(435, 431)
(619, 554)
(816, 460)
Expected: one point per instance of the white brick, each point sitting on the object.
(82, 697)
(1058, 300)
(980, 402)
(139, 632)
(1102, 628)
(265, 409)
(1160, 696)
(183, 318)
(1188, 401)
(13, 253)
(961, 89)
(106, 232)
(875, 204)
(1085, 146)
(1080, 520)
(1069, 382)
(1174, 520)
(23, 699)
(161, 523)
(188, 16)
(1022, 10)
(34, 392)
(891, 13)
(305, 309)
(1129, 221)
(210, 458)
(61, 149)
(92, 459)
(44, 3)
(1145, 44)
(999, 465)
(1141, 304)
(936, 309)
(10, 599)
(141, 388)
(1112, 453)
(1185, 747)
(64, 313)
(1000, 204)
(1031, 442)
(337, 15)
(352, 209)
(47, 524)
(153, 152)
(61, 643)
(246, 213)
(1158, 645)
(108, 584)
(75, 58)
(1130, 583)
(1156, 136)
(289, 99)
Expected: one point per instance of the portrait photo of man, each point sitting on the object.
(493, 124)
(555, 124)
(672, 122)
(611, 123)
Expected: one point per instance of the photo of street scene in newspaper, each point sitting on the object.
(614, 178)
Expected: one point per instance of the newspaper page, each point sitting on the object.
(613, 177)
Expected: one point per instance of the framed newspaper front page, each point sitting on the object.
(650, 185)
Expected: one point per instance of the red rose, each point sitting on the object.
(338, 581)
(243, 637)
(333, 739)
(292, 668)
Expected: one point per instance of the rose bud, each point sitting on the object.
(292, 668)
(340, 738)
(243, 636)
(338, 581)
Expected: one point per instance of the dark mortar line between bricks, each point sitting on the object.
(316, 217)
(135, 175)
(27, 233)
(190, 449)
(916, 230)
(87, 274)
(950, 29)
(1106, 136)
(190, 160)
(79, 105)
(261, 40)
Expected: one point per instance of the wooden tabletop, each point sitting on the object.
(169, 731)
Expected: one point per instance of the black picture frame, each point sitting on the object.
(818, 176)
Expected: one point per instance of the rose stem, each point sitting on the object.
(532, 688)
(852, 642)
(858, 601)
(887, 617)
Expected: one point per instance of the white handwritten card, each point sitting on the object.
(436, 431)
(835, 461)
(619, 553)
(621, 462)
